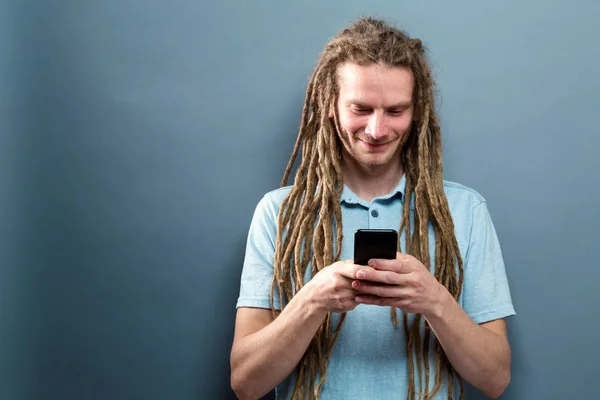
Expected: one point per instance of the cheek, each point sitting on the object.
(351, 123)
(402, 125)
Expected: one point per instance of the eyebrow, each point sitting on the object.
(402, 104)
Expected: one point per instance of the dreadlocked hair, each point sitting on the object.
(309, 226)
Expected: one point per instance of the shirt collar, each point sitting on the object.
(349, 197)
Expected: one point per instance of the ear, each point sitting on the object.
(331, 109)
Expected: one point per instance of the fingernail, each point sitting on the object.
(360, 274)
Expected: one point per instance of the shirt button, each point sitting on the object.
(375, 213)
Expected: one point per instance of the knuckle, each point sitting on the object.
(375, 290)
(389, 277)
(333, 291)
(338, 281)
(415, 282)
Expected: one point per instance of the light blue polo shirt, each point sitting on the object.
(369, 359)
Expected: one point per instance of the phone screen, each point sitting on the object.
(374, 243)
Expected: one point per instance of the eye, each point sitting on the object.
(396, 112)
(360, 110)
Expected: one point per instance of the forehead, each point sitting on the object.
(375, 83)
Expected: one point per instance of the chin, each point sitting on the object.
(375, 161)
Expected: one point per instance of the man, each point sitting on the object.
(312, 326)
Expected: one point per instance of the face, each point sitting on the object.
(375, 109)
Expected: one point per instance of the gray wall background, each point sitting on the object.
(137, 137)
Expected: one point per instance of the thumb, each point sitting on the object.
(402, 256)
(349, 269)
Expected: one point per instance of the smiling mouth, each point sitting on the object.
(375, 145)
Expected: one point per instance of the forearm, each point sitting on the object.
(260, 361)
(480, 356)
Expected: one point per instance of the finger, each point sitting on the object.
(349, 270)
(386, 301)
(374, 300)
(371, 274)
(402, 256)
(398, 266)
(377, 289)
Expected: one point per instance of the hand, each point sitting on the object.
(404, 283)
(331, 288)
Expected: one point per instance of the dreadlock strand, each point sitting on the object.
(323, 239)
(439, 370)
(335, 155)
(325, 219)
(450, 381)
(306, 230)
(410, 346)
(423, 213)
(427, 343)
(443, 219)
(303, 227)
(418, 350)
(305, 124)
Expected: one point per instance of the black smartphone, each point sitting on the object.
(374, 243)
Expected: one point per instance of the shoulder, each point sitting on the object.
(462, 197)
(466, 206)
(269, 204)
(473, 222)
(274, 198)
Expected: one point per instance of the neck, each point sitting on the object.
(369, 182)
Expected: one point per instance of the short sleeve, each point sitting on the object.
(257, 271)
(486, 293)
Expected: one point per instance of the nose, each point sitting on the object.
(376, 126)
